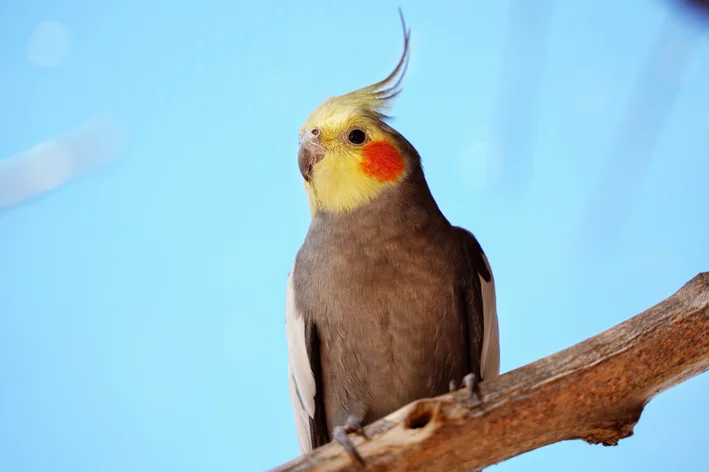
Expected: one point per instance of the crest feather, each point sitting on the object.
(375, 98)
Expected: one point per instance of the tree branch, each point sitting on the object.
(595, 391)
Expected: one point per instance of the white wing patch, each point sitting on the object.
(490, 357)
(301, 379)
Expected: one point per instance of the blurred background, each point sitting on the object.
(151, 206)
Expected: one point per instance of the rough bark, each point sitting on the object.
(595, 391)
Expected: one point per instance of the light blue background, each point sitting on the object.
(141, 307)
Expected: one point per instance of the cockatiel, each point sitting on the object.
(387, 302)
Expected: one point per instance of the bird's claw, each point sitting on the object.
(340, 435)
(452, 385)
(471, 384)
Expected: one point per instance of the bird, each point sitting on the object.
(387, 301)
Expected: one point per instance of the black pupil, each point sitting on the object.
(356, 136)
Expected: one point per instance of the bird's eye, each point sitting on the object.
(356, 136)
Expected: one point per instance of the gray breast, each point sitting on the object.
(386, 297)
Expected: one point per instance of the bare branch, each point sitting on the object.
(595, 391)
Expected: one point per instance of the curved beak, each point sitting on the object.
(309, 154)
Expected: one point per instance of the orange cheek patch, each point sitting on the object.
(382, 161)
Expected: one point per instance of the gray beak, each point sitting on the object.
(310, 153)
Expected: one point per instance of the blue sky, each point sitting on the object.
(142, 305)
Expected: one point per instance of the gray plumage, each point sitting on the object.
(386, 304)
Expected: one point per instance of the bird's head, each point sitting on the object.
(348, 153)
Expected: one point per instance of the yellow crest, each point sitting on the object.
(371, 100)
(342, 186)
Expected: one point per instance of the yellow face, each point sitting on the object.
(356, 159)
(348, 155)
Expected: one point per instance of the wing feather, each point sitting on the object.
(490, 355)
(301, 379)
(481, 298)
(304, 375)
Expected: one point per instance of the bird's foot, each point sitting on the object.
(452, 385)
(471, 384)
(340, 435)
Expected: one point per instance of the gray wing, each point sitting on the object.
(304, 375)
(481, 299)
